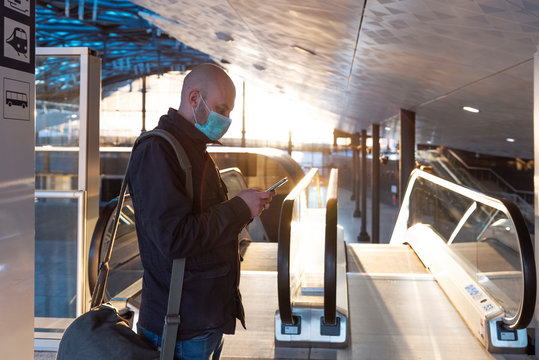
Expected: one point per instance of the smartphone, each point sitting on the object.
(278, 183)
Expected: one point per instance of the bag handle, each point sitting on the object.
(172, 319)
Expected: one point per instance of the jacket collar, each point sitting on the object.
(181, 129)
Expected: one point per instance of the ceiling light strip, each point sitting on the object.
(470, 109)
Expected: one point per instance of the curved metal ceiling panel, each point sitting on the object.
(357, 63)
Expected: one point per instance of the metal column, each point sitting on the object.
(17, 164)
(363, 235)
(243, 119)
(406, 149)
(375, 183)
(354, 164)
(356, 196)
(290, 146)
(536, 172)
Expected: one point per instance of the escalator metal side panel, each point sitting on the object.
(477, 307)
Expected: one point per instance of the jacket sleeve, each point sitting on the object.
(165, 210)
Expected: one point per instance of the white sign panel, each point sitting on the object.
(22, 6)
(16, 97)
(16, 40)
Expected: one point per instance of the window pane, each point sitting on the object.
(57, 122)
(56, 258)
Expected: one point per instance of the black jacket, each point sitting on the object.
(204, 232)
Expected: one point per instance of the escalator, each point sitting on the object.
(457, 280)
(479, 251)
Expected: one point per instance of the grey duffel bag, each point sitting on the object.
(102, 334)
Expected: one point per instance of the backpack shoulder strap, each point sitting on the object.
(183, 159)
(172, 319)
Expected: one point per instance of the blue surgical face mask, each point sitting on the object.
(216, 126)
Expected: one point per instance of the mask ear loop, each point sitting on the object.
(194, 115)
(193, 109)
(206, 105)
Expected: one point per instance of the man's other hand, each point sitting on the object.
(256, 200)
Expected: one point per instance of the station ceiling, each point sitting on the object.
(129, 46)
(362, 61)
(359, 62)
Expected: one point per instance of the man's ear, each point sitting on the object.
(194, 98)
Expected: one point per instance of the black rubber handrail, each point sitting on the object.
(330, 255)
(527, 307)
(94, 255)
(283, 252)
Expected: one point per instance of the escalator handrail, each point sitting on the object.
(233, 170)
(527, 306)
(94, 254)
(330, 254)
(283, 252)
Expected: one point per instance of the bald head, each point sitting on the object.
(211, 83)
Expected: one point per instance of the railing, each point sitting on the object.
(477, 247)
(491, 175)
(291, 212)
(311, 274)
(461, 173)
(125, 253)
(330, 263)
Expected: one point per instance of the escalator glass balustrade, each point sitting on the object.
(479, 250)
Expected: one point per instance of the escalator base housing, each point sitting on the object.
(506, 341)
(310, 330)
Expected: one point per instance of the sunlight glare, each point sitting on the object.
(269, 116)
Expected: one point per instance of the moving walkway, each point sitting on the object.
(456, 281)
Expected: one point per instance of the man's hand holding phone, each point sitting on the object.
(256, 200)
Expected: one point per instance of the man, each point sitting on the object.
(204, 231)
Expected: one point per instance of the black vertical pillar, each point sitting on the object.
(354, 164)
(406, 149)
(355, 145)
(143, 104)
(363, 236)
(290, 142)
(375, 183)
(243, 119)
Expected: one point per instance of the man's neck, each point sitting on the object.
(183, 113)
